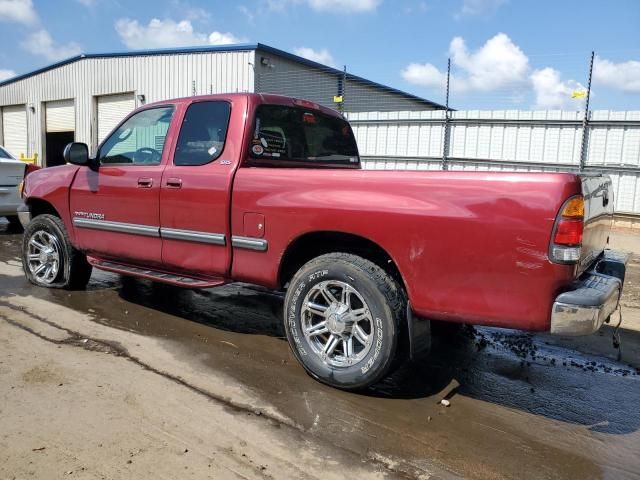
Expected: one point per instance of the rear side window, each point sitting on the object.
(302, 137)
(203, 133)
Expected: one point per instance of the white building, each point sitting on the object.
(84, 97)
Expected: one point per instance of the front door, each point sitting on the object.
(196, 185)
(115, 208)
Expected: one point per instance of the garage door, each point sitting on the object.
(60, 116)
(111, 110)
(14, 129)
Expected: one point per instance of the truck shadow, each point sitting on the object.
(510, 369)
(513, 369)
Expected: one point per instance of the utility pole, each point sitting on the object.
(585, 120)
(445, 143)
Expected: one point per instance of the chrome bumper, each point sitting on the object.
(583, 310)
(24, 215)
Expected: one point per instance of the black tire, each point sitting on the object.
(73, 270)
(14, 223)
(383, 299)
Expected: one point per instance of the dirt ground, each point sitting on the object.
(134, 380)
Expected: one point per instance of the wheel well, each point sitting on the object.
(314, 244)
(40, 207)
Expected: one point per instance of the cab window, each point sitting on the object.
(296, 136)
(203, 133)
(139, 140)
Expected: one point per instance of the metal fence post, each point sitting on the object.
(445, 143)
(585, 120)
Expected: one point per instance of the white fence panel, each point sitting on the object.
(506, 140)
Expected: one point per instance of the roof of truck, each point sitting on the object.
(269, 98)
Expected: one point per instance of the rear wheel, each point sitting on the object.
(343, 316)
(49, 259)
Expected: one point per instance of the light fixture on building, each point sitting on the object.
(141, 99)
(32, 107)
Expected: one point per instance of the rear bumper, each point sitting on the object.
(592, 299)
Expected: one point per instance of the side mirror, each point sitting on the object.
(76, 153)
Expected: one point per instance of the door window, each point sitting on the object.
(203, 133)
(139, 140)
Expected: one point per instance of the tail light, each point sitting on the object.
(566, 243)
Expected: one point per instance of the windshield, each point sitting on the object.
(284, 134)
(4, 154)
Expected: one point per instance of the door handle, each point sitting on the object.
(145, 182)
(174, 182)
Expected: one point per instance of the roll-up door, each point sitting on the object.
(111, 110)
(60, 116)
(14, 129)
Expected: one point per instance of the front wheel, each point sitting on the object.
(48, 257)
(343, 316)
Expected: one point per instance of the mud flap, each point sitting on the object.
(419, 335)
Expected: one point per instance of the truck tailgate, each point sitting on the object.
(598, 217)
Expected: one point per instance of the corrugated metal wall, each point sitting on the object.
(287, 77)
(506, 140)
(157, 77)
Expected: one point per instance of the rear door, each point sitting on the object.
(116, 207)
(598, 216)
(195, 195)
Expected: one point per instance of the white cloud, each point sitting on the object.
(551, 91)
(499, 63)
(480, 7)
(425, 75)
(497, 66)
(168, 33)
(341, 6)
(623, 76)
(20, 11)
(332, 6)
(41, 43)
(158, 33)
(6, 74)
(222, 38)
(321, 56)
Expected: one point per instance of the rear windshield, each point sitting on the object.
(292, 136)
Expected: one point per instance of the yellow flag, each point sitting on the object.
(579, 94)
(337, 99)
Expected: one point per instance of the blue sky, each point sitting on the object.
(505, 53)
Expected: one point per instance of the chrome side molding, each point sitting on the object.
(250, 243)
(119, 227)
(193, 236)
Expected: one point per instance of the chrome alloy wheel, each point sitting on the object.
(337, 323)
(43, 256)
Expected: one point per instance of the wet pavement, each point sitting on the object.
(521, 405)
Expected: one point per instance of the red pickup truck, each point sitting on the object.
(202, 191)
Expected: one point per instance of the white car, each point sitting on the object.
(12, 173)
